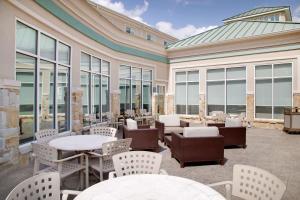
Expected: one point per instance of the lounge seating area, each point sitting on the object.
(203, 170)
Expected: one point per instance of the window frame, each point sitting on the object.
(186, 82)
(130, 79)
(272, 78)
(90, 73)
(225, 86)
(36, 83)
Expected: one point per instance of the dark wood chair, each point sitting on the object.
(233, 136)
(197, 149)
(143, 138)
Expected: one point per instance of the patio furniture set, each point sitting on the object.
(133, 171)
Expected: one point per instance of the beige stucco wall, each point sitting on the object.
(249, 61)
(44, 21)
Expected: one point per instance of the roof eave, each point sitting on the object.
(231, 41)
(286, 9)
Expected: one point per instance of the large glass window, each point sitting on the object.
(45, 85)
(226, 90)
(135, 89)
(187, 92)
(273, 90)
(94, 79)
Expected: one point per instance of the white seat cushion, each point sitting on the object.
(233, 122)
(170, 120)
(131, 124)
(200, 131)
(174, 129)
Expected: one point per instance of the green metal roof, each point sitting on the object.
(235, 30)
(257, 11)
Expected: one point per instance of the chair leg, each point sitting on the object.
(181, 164)
(87, 181)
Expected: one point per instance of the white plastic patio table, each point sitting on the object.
(149, 187)
(80, 142)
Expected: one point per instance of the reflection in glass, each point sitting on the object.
(46, 89)
(63, 54)
(47, 47)
(85, 62)
(263, 99)
(26, 38)
(84, 81)
(147, 101)
(105, 67)
(180, 98)
(63, 99)
(96, 81)
(124, 95)
(96, 65)
(215, 96)
(25, 73)
(136, 95)
(193, 97)
(105, 96)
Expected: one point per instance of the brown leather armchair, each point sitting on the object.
(233, 136)
(197, 149)
(143, 138)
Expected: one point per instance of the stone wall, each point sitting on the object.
(77, 112)
(296, 99)
(115, 103)
(9, 121)
(170, 104)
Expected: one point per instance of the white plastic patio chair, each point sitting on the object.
(251, 183)
(44, 136)
(103, 162)
(42, 186)
(48, 156)
(136, 162)
(102, 130)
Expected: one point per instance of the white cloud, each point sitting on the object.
(296, 16)
(166, 27)
(119, 6)
(180, 33)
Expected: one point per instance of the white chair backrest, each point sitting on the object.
(110, 149)
(170, 120)
(137, 162)
(102, 130)
(251, 183)
(200, 131)
(42, 186)
(45, 154)
(44, 136)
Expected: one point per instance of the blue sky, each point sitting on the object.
(183, 18)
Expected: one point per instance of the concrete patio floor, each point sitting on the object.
(272, 150)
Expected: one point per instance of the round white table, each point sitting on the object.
(80, 142)
(149, 187)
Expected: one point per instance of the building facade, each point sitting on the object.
(63, 60)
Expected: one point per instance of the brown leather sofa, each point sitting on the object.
(233, 136)
(143, 138)
(168, 124)
(197, 149)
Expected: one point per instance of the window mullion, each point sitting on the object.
(37, 89)
(55, 87)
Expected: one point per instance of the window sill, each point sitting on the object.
(272, 121)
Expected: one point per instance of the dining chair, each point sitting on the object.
(136, 162)
(48, 156)
(252, 183)
(42, 186)
(44, 136)
(102, 162)
(102, 130)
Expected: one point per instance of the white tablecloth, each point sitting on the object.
(149, 187)
(80, 142)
